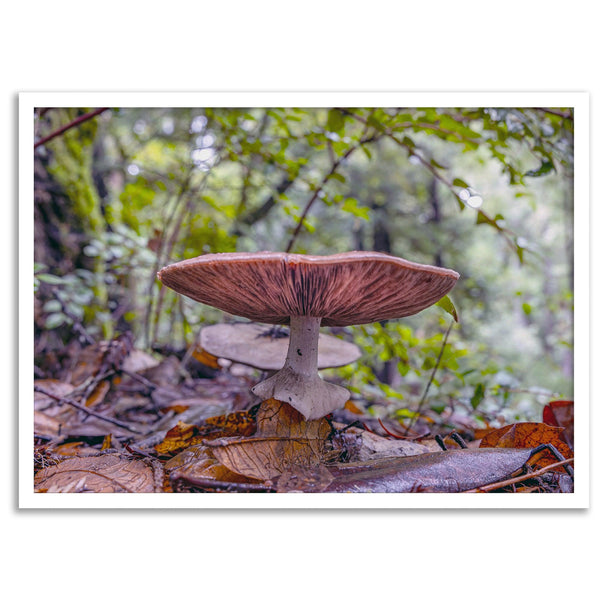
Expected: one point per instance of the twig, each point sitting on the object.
(334, 166)
(73, 123)
(85, 409)
(530, 475)
(309, 204)
(556, 113)
(435, 368)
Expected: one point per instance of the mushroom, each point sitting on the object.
(264, 347)
(307, 292)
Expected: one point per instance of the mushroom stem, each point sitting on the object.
(298, 382)
(303, 350)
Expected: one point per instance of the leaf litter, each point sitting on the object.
(119, 420)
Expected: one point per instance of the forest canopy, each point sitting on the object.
(487, 192)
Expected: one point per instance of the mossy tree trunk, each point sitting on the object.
(70, 159)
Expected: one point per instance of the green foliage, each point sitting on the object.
(415, 182)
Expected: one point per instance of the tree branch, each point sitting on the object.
(73, 123)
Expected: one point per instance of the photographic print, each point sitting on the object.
(309, 300)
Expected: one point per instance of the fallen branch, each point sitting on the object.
(500, 484)
(85, 409)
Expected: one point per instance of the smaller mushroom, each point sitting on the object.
(265, 347)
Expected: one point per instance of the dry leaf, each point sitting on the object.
(46, 426)
(374, 446)
(109, 473)
(279, 419)
(283, 439)
(529, 435)
(561, 413)
(451, 471)
(265, 458)
(74, 449)
(98, 394)
(138, 360)
(236, 423)
(351, 407)
(52, 386)
(101, 357)
(196, 466)
(181, 436)
(205, 358)
(184, 435)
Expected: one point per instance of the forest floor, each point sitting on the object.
(111, 418)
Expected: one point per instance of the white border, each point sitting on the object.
(579, 499)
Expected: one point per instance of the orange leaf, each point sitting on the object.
(528, 435)
(236, 423)
(181, 436)
(98, 394)
(184, 435)
(350, 406)
(204, 357)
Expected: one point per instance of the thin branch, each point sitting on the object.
(435, 368)
(556, 113)
(73, 123)
(317, 191)
(85, 409)
(531, 475)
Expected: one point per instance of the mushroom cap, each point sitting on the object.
(250, 344)
(350, 288)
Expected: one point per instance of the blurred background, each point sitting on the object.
(487, 192)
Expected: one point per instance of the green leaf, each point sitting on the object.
(55, 320)
(52, 306)
(335, 120)
(546, 167)
(350, 205)
(526, 308)
(52, 279)
(460, 183)
(437, 165)
(408, 142)
(446, 304)
(338, 176)
(478, 395)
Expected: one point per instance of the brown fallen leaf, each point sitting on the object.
(279, 419)
(529, 435)
(179, 437)
(184, 435)
(266, 458)
(77, 448)
(46, 426)
(283, 439)
(196, 466)
(107, 473)
(236, 423)
(101, 357)
(53, 386)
